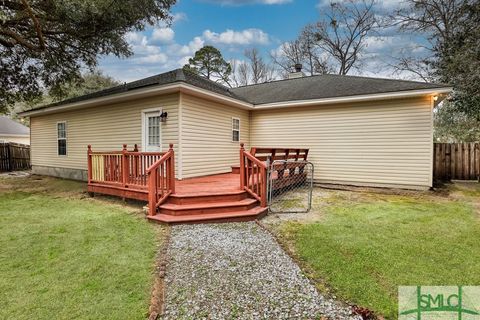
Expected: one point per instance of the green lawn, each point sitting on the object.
(66, 256)
(364, 246)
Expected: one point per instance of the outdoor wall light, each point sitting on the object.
(163, 116)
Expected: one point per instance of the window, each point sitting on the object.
(235, 129)
(62, 138)
(153, 130)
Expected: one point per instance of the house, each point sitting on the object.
(12, 131)
(358, 130)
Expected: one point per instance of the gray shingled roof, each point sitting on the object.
(10, 127)
(174, 76)
(306, 88)
(325, 86)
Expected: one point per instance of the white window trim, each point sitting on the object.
(66, 138)
(144, 138)
(239, 126)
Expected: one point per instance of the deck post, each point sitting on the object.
(263, 202)
(172, 169)
(135, 162)
(242, 166)
(89, 161)
(152, 192)
(124, 166)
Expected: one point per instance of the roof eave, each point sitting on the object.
(193, 90)
(356, 98)
(134, 94)
(15, 135)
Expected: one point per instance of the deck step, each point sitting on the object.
(199, 197)
(208, 207)
(233, 216)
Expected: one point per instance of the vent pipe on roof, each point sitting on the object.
(298, 72)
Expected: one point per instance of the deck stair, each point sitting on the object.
(209, 207)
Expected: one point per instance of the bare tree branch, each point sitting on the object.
(343, 31)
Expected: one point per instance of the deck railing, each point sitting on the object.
(286, 165)
(253, 176)
(123, 168)
(161, 180)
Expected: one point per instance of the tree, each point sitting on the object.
(240, 74)
(253, 70)
(451, 28)
(343, 31)
(452, 125)
(287, 56)
(45, 43)
(208, 62)
(302, 51)
(260, 71)
(88, 83)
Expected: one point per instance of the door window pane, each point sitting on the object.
(154, 131)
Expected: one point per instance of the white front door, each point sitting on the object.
(152, 132)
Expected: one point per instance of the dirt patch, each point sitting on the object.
(157, 301)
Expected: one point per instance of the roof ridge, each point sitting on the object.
(381, 78)
(338, 75)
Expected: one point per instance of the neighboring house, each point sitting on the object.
(12, 131)
(360, 131)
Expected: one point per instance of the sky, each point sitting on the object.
(235, 25)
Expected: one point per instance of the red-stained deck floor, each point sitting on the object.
(214, 184)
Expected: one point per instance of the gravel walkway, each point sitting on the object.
(238, 271)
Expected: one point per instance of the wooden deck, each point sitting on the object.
(237, 196)
(227, 182)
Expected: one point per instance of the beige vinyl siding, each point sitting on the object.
(104, 127)
(206, 136)
(372, 143)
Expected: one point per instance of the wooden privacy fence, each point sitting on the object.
(14, 156)
(456, 161)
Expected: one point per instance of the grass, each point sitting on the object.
(363, 249)
(64, 255)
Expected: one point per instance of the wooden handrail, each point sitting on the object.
(253, 176)
(124, 168)
(161, 180)
(164, 157)
(255, 160)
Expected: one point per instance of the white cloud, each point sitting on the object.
(188, 49)
(183, 61)
(243, 37)
(179, 16)
(157, 50)
(158, 58)
(162, 35)
(135, 38)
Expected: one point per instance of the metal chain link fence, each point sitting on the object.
(290, 185)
